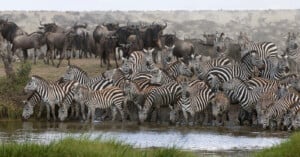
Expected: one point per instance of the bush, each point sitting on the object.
(11, 92)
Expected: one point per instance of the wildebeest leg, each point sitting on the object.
(62, 56)
(116, 60)
(34, 55)
(52, 57)
(25, 54)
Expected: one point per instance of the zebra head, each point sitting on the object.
(80, 92)
(220, 104)
(291, 43)
(214, 82)
(256, 60)
(156, 76)
(27, 110)
(283, 63)
(296, 121)
(127, 65)
(149, 58)
(33, 84)
(185, 70)
(142, 113)
(287, 120)
(70, 73)
(62, 113)
(265, 119)
(167, 54)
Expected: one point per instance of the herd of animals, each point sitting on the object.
(161, 71)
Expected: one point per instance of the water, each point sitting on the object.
(205, 141)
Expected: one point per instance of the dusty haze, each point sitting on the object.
(267, 25)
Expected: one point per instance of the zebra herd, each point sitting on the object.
(260, 83)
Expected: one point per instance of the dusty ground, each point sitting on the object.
(91, 66)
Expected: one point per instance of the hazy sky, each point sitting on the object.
(88, 5)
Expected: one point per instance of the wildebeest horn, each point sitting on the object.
(41, 23)
(166, 24)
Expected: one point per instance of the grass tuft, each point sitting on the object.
(290, 148)
(83, 147)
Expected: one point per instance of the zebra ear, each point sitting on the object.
(144, 50)
(173, 46)
(24, 102)
(152, 50)
(167, 47)
(279, 56)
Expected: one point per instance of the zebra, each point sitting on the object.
(161, 76)
(275, 67)
(293, 50)
(244, 70)
(201, 68)
(141, 61)
(290, 118)
(165, 95)
(75, 73)
(193, 102)
(51, 93)
(112, 97)
(29, 105)
(275, 112)
(246, 97)
(220, 107)
(264, 49)
(165, 56)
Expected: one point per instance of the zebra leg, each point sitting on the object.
(186, 117)
(193, 119)
(41, 110)
(114, 113)
(53, 112)
(158, 115)
(82, 106)
(121, 113)
(93, 109)
(48, 112)
(76, 111)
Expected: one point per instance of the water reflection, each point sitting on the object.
(145, 136)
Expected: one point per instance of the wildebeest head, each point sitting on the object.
(111, 26)
(50, 27)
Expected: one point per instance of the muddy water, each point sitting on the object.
(204, 141)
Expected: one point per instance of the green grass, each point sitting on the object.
(83, 147)
(290, 148)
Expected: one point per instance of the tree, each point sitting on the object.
(7, 58)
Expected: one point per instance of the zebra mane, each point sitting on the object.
(248, 54)
(40, 78)
(78, 68)
(32, 94)
(167, 73)
(174, 64)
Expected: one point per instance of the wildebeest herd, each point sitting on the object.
(161, 71)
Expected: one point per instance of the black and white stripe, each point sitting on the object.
(112, 97)
(51, 93)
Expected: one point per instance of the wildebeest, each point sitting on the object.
(10, 30)
(80, 39)
(34, 40)
(58, 39)
(182, 49)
